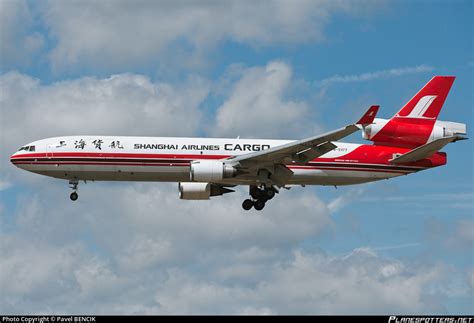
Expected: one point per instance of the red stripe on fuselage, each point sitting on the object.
(120, 155)
(97, 163)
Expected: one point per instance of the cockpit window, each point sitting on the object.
(27, 148)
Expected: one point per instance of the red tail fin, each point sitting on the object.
(412, 125)
(427, 103)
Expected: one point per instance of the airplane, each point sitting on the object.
(407, 143)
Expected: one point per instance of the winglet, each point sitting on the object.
(369, 116)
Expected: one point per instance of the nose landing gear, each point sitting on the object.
(260, 195)
(73, 184)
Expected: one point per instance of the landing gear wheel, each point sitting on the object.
(74, 196)
(259, 205)
(247, 204)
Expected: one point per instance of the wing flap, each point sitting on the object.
(311, 153)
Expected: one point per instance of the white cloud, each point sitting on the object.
(135, 248)
(345, 198)
(399, 246)
(17, 42)
(374, 75)
(361, 282)
(129, 33)
(257, 106)
(128, 244)
(143, 251)
(128, 104)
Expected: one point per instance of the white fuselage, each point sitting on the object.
(118, 158)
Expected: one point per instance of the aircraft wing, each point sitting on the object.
(301, 151)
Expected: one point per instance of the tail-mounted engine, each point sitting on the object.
(410, 132)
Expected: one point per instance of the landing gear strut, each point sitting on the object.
(73, 184)
(260, 195)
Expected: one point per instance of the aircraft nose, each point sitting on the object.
(12, 159)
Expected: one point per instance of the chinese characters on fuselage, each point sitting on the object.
(97, 144)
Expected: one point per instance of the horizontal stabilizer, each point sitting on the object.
(426, 150)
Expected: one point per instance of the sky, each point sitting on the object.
(273, 69)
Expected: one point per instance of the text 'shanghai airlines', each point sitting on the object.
(204, 167)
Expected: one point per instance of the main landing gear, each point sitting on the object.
(73, 184)
(260, 195)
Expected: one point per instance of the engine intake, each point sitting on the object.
(210, 171)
